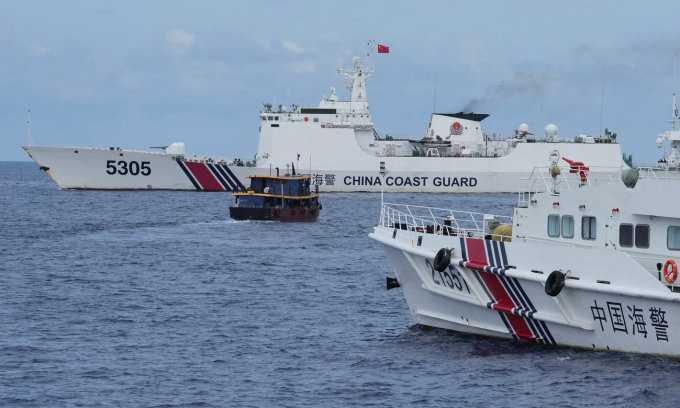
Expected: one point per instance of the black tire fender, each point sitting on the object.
(554, 284)
(442, 259)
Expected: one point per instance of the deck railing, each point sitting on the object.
(440, 221)
(658, 173)
(541, 180)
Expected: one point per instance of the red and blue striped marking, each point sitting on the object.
(487, 260)
(211, 176)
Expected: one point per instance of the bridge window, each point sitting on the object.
(588, 228)
(567, 226)
(674, 238)
(316, 119)
(553, 225)
(642, 236)
(626, 235)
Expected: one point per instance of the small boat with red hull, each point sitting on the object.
(277, 198)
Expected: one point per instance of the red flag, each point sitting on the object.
(383, 49)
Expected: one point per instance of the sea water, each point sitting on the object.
(158, 299)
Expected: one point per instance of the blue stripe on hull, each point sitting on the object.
(189, 175)
(234, 178)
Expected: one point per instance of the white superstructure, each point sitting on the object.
(336, 142)
(585, 262)
(454, 155)
(671, 161)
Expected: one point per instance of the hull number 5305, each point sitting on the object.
(123, 167)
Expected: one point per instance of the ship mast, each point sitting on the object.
(29, 137)
(675, 107)
(356, 80)
(675, 113)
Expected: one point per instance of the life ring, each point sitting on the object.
(670, 271)
(442, 259)
(554, 284)
(387, 153)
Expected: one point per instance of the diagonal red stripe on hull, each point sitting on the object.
(476, 251)
(497, 290)
(520, 326)
(204, 176)
(477, 255)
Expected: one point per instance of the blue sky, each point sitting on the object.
(136, 74)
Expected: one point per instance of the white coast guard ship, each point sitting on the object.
(670, 161)
(113, 168)
(337, 143)
(588, 263)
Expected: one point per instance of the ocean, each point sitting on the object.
(159, 299)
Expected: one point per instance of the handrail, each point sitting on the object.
(248, 193)
(439, 221)
(541, 180)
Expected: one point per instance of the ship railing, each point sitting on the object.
(658, 173)
(440, 221)
(545, 180)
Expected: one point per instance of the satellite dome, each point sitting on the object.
(523, 128)
(551, 131)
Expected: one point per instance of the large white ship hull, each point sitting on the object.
(86, 168)
(498, 289)
(335, 173)
(105, 169)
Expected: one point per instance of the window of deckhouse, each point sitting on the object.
(553, 225)
(642, 236)
(673, 240)
(567, 226)
(626, 235)
(588, 227)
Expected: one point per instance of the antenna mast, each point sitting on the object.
(369, 54)
(675, 113)
(675, 107)
(601, 104)
(29, 138)
(434, 102)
